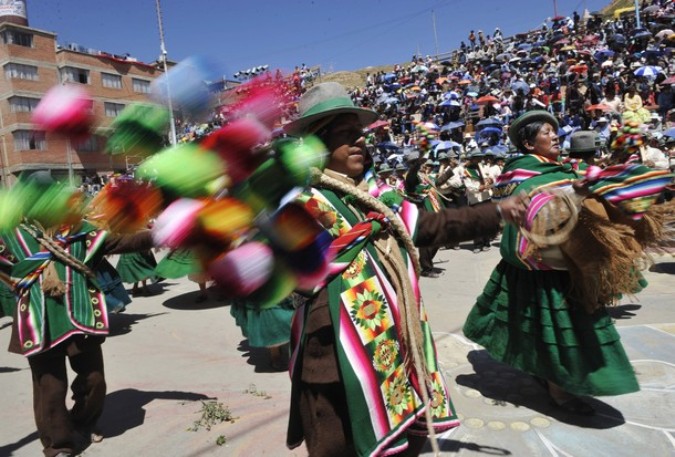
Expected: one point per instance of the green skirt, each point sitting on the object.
(7, 301)
(177, 264)
(264, 327)
(136, 266)
(525, 319)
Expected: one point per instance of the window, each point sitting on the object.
(113, 109)
(141, 86)
(74, 75)
(20, 71)
(27, 140)
(18, 38)
(90, 145)
(111, 81)
(22, 104)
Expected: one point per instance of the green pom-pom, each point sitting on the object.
(298, 157)
(186, 170)
(11, 210)
(49, 206)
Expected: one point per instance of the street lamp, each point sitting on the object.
(163, 57)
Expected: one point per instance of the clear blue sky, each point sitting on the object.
(336, 34)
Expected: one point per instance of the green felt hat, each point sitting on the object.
(326, 99)
(528, 118)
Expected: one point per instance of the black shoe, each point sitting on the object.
(430, 274)
(201, 298)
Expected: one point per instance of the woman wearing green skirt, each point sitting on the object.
(136, 268)
(527, 316)
(183, 262)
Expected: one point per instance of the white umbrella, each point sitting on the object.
(606, 63)
(664, 33)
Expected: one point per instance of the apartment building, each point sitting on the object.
(32, 62)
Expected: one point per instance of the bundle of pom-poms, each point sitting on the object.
(220, 196)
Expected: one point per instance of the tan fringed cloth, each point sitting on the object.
(602, 247)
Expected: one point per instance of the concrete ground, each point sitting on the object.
(168, 355)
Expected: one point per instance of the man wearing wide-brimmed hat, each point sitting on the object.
(584, 145)
(352, 391)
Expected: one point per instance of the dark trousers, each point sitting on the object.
(483, 241)
(61, 430)
(427, 257)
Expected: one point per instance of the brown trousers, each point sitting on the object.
(61, 430)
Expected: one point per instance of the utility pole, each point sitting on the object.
(555, 8)
(433, 18)
(637, 14)
(162, 47)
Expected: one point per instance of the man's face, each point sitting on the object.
(347, 146)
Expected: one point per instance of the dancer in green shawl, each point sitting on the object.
(531, 314)
(352, 392)
(61, 314)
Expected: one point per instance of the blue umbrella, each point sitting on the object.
(525, 46)
(388, 100)
(670, 132)
(603, 54)
(488, 130)
(641, 33)
(647, 53)
(619, 38)
(648, 71)
(452, 125)
(390, 77)
(520, 85)
(445, 146)
(489, 122)
(450, 103)
(387, 146)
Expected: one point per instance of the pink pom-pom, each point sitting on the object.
(176, 223)
(243, 270)
(65, 110)
(234, 143)
(263, 100)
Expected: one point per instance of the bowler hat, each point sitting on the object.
(528, 118)
(326, 99)
(584, 141)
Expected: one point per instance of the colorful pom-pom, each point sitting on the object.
(235, 142)
(225, 218)
(125, 206)
(65, 109)
(177, 223)
(243, 270)
(138, 130)
(184, 170)
(185, 87)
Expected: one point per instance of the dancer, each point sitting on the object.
(61, 314)
(352, 393)
(544, 312)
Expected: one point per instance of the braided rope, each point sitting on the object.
(58, 252)
(370, 202)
